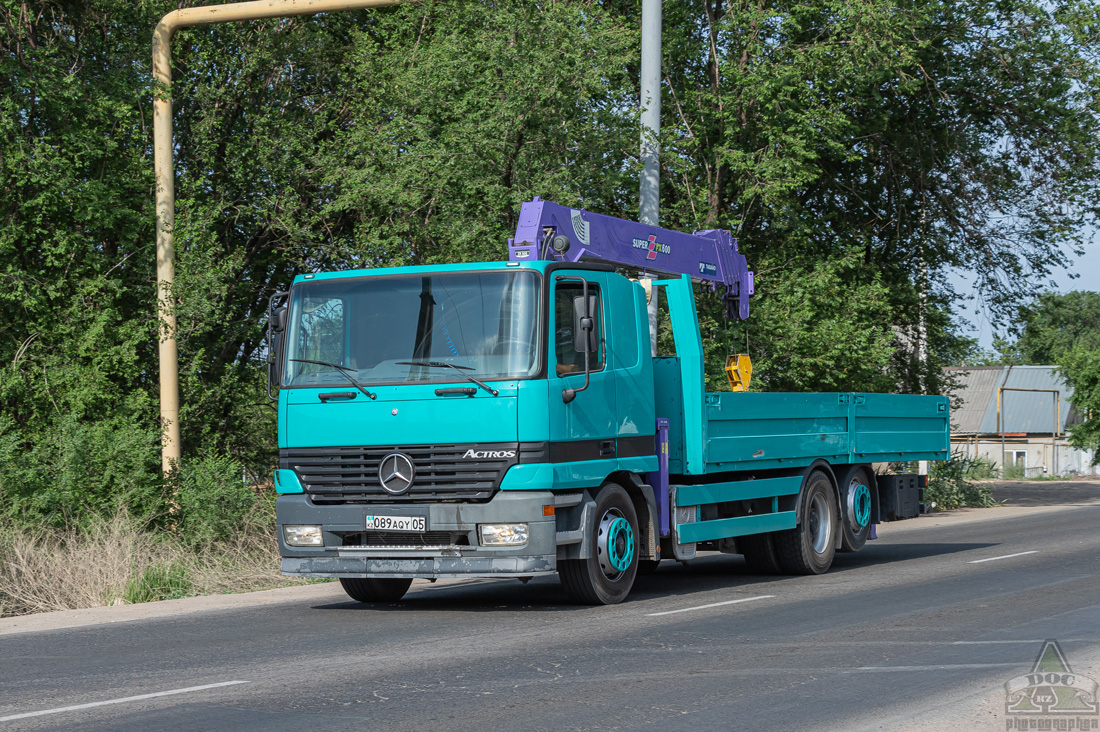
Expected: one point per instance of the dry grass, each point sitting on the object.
(118, 561)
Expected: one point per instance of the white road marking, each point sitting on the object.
(1006, 556)
(124, 700)
(713, 604)
(994, 642)
(941, 667)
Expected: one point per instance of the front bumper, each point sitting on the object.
(459, 556)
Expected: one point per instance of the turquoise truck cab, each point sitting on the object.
(508, 420)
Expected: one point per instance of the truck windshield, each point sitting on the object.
(486, 323)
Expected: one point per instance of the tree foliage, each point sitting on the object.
(1055, 324)
(922, 136)
(858, 151)
(1047, 327)
(1080, 367)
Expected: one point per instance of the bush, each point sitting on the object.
(950, 485)
(980, 468)
(79, 469)
(213, 501)
(95, 469)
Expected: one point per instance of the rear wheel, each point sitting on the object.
(810, 547)
(607, 575)
(376, 589)
(760, 553)
(855, 511)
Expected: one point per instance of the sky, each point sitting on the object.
(1088, 266)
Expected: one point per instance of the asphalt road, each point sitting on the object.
(912, 633)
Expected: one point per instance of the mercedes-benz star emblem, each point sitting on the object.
(396, 473)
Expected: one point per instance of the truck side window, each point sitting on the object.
(569, 360)
(320, 335)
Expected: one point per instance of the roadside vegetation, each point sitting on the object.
(203, 532)
(120, 560)
(953, 483)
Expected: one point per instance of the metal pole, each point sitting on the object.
(165, 176)
(1003, 464)
(649, 200)
(649, 189)
(1055, 428)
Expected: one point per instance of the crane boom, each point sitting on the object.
(548, 230)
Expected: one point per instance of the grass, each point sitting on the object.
(118, 560)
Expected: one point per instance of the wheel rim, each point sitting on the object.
(821, 527)
(859, 504)
(615, 544)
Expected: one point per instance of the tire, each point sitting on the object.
(810, 547)
(376, 589)
(855, 510)
(605, 578)
(760, 554)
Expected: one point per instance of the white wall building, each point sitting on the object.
(1017, 416)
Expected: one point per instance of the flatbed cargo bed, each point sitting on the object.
(762, 431)
(774, 430)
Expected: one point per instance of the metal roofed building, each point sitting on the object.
(1017, 416)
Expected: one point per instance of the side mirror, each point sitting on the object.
(585, 334)
(276, 325)
(278, 319)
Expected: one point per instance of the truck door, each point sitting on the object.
(584, 428)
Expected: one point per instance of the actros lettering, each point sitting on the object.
(483, 454)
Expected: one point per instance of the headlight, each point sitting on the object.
(503, 534)
(303, 535)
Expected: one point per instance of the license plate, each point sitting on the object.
(397, 523)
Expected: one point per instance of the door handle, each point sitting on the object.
(337, 395)
(607, 448)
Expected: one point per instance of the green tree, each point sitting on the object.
(76, 336)
(817, 326)
(336, 141)
(857, 150)
(923, 136)
(468, 109)
(1055, 324)
(1080, 367)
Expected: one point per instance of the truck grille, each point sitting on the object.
(350, 474)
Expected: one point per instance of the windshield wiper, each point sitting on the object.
(342, 370)
(460, 369)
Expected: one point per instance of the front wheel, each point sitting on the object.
(810, 547)
(606, 576)
(376, 589)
